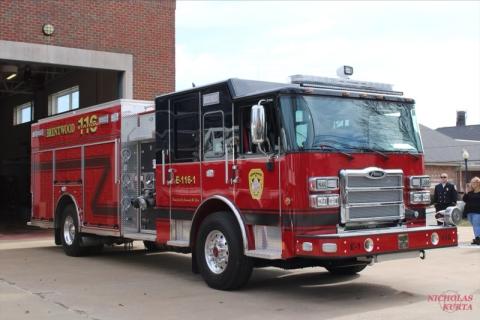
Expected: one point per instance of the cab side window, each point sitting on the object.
(246, 146)
(271, 142)
(213, 135)
(185, 129)
(301, 127)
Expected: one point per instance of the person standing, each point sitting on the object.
(445, 194)
(472, 207)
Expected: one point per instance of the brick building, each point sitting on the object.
(444, 154)
(57, 56)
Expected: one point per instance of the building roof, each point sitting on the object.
(442, 149)
(462, 132)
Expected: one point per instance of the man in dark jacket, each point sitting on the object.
(445, 194)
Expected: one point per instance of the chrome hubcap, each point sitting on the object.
(216, 252)
(69, 230)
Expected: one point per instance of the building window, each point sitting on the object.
(23, 113)
(63, 101)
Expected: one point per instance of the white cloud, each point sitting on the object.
(428, 50)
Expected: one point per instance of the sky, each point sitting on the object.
(428, 50)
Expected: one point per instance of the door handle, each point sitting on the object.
(163, 166)
(171, 175)
(235, 176)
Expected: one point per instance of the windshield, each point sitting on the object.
(320, 122)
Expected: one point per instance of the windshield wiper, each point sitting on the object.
(385, 156)
(415, 155)
(323, 146)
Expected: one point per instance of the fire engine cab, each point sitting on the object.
(241, 174)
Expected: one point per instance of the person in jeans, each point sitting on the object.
(472, 207)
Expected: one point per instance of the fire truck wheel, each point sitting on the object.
(97, 249)
(219, 252)
(71, 239)
(346, 271)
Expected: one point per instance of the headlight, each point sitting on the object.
(319, 201)
(420, 197)
(419, 182)
(323, 183)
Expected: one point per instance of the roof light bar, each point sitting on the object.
(336, 84)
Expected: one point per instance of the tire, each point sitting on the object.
(71, 239)
(94, 250)
(151, 246)
(219, 253)
(346, 271)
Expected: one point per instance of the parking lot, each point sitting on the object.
(37, 281)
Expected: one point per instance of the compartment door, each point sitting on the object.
(147, 185)
(42, 185)
(101, 185)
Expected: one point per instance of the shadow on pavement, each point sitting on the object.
(14, 227)
(338, 295)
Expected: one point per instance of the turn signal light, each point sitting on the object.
(419, 182)
(420, 197)
(319, 201)
(323, 183)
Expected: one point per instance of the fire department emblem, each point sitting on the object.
(255, 183)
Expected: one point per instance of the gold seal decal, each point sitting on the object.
(255, 183)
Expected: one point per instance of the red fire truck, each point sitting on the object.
(242, 174)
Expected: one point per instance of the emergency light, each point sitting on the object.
(343, 82)
(344, 71)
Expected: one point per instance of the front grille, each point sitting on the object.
(381, 196)
(369, 212)
(365, 182)
(366, 198)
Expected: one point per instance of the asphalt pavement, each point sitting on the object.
(37, 281)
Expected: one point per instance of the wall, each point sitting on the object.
(145, 29)
(454, 175)
(95, 88)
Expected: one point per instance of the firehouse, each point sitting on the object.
(241, 174)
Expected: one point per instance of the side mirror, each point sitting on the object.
(257, 124)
